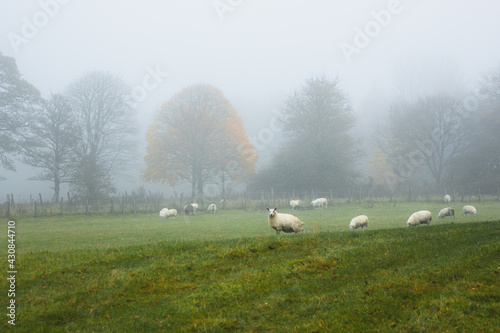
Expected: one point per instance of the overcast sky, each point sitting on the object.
(256, 52)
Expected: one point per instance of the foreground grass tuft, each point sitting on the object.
(440, 278)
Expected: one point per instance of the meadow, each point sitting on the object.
(230, 272)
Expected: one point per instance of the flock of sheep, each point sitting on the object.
(188, 209)
(290, 223)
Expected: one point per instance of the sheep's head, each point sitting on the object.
(272, 212)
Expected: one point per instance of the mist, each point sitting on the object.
(256, 52)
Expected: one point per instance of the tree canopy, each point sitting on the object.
(197, 137)
(319, 151)
(18, 100)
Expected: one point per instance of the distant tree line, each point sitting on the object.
(86, 137)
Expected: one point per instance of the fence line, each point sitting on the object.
(153, 203)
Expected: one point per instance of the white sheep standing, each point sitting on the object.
(448, 211)
(195, 207)
(294, 203)
(420, 217)
(323, 201)
(319, 202)
(316, 203)
(468, 209)
(447, 198)
(284, 222)
(164, 213)
(172, 213)
(359, 221)
(212, 208)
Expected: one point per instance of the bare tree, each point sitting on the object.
(426, 134)
(18, 99)
(105, 148)
(50, 142)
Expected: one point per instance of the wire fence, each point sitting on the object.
(150, 203)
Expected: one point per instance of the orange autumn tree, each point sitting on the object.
(197, 137)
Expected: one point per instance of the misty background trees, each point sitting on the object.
(18, 99)
(319, 152)
(86, 136)
(197, 137)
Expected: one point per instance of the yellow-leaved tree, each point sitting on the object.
(198, 137)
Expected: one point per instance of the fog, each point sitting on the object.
(256, 52)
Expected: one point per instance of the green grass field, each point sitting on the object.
(230, 272)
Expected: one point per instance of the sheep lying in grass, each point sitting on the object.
(468, 209)
(189, 209)
(420, 217)
(359, 221)
(284, 222)
(294, 203)
(164, 213)
(212, 208)
(172, 213)
(448, 211)
(447, 198)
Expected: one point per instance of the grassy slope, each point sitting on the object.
(110, 231)
(444, 277)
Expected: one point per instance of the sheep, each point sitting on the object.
(212, 208)
(189, 209)
(172, 213)
(195, 207)
(359, 221)
(318, 203)
(284, 222)
(468, 209)
(323, 201)
(164, 213)
(294, 203)
(448, 211)
(447, 199)
(420, 217)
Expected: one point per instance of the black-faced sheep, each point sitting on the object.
(189, 209)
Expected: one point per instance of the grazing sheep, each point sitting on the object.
(359, 221)
(172, 213)
(447, 198)
(284, 222)
(319, 202)
(420, 217)
(294, 203)
(468, 209)
(195, 207)
(448, 211)
(323, 201)
(212, 208)
(164, 213)
(189, 209)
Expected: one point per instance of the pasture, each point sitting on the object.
(230, 272)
